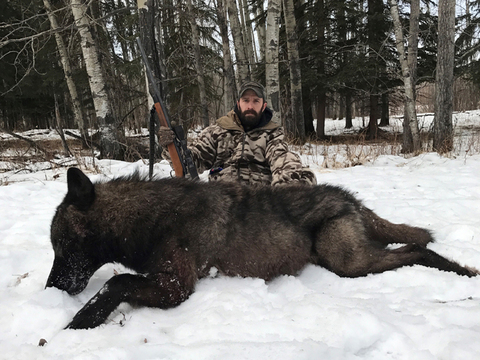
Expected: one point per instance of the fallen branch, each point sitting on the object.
(88, 142)
(30, 141)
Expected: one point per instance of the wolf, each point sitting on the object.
(171, 232)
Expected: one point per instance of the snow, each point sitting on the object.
(410, 313)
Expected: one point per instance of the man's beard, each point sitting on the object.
(250, 118)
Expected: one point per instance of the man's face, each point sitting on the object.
(251, 108)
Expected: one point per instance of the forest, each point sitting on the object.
(75, 64)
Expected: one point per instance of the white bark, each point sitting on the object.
(260, 30)
(411, 112)
(271, 58)
(64, 59)
(229, 74)
(248, 32)
(103, 109)
(243, 70)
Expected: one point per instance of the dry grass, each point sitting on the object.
(339, 151)
(354, 149)
(19, 155)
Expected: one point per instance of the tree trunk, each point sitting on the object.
(322, 97)
(247, 32)
(297, 127)
(261, 32)
(229, 73)
(321, 112)
(443, 127)
(376, 36)
(372, 124)
(109, 135)
(271, 58)
(198, 65)
(243, 70)
(307, 111)
(59, 127)
(411, 138)
(385, 118)
(64, 59)
(348, 109)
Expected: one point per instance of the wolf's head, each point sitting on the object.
(72, 238)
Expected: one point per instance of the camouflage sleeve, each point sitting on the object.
(203, 150)
(285, 165)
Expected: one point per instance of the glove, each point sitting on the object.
(165, 136)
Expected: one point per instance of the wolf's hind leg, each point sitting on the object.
(160, 290)
(379, 260)
(344, 247)
(385, 232)
(431, 259)
(413, 254)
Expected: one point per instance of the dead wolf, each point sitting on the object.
(173, 231)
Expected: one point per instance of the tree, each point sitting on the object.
(443, 127)
(375, 40)
(243, 69)
(247, 32)
(228, 71)
(65, 61)
(107, 124)
(321, 68)
(295, 125)
(198, 65)
(271, 58)
(411, 143)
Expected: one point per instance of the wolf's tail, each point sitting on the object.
(385, 232)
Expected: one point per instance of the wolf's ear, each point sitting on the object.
(81, 191)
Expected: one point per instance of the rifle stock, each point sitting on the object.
(172, 148)
(181, 163)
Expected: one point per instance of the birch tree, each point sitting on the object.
(260, 31)
(243, 70)
(443, 127)
(109, 134)
(296, 124)
(228, 72)
(271, 58)
(65, 61)
(248, 32)
(408, 62)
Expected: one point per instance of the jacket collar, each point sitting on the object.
(232, 121)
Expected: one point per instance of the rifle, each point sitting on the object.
(180, 154)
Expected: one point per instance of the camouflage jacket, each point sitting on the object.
(259, 156)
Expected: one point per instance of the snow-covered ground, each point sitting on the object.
(411, 313)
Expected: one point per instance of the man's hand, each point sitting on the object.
(165, 136)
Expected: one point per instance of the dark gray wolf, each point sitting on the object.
(172, 231)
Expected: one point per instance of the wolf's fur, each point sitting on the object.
(172, 231)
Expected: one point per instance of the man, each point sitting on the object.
(245, 146)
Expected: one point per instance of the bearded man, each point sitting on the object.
(245, 146)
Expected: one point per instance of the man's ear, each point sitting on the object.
(264, 105)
